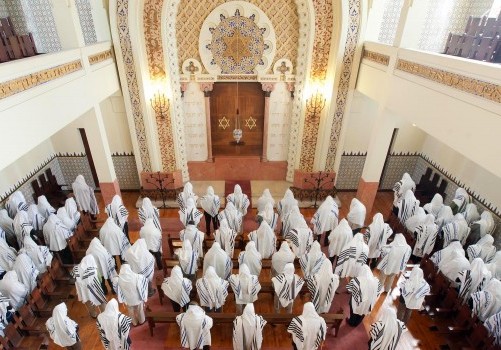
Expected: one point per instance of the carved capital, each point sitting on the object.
(206, 88)
(267, 88)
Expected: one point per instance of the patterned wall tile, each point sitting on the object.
(86, 21)
(396, 166)
(391, 16)
(16, 13)
(43, 26)
(350, 171)
(4, 12)
(126, 170)
(74, 165)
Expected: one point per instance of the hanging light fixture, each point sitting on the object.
(237, 132)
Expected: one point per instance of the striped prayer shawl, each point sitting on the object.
(493, 325)
(377, 333)
(7, 259)
(212, 207)
(143, 216)
(142, 289)
(213, 299)
(235, 224)
(425, 239)
(12, 208)
(185, 291)
(296, 238)
(90, 281)
(124, 245)
(466, 288)
(202, 337)
(313, 284)
(193, 216)
(476, 251)
(317, 221)
(190, 266)
(120, 217)
(227, 242)
(385, 259)
(148, 270)
(310, 267)
(241, 205)
(239, 335)
(296, 328)
(237, 288)
(344, 259)
(453, 231)
(124, 324)
(289, 291)
(481, 301)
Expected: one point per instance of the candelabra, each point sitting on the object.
(315, 104)
(160, 181)
(160, 104)
(319, 181)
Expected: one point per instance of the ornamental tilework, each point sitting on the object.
(350, 172)
(41, 23)
(396, 166)
(74, 165)
(391, 16)
(86, 21)
(17, 16)
(126, 170)
(3, 9)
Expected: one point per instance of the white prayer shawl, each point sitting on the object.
(196, 238)
(414, 289)
(378, 233)
(426, 235)
(232, 216)
(484, 249)
(190, 214)
(140, 259)
(6, 223)
(308, 330)
(84, 195)
(269, 216)
(12, 288)
(326, 216)
(44, 206)
(452, 266)
(444, 217)
(62, 329)
(407, 206)
(265, 240)
(251, 257)
(40, 255)
(113, 238)
(322, 286)
(352, 257)
(457, 229)
(415, 220)
(195, 327)
(210, 203)
(495, 266)
(446, 252)
(37, 220)
(474, 279)
(293, 220)
(286, 204)
(239, 200)
(435, 206)
(131, 287)
(219, 260)
(152, 236)
(22, 226)
(245, 285)
(26, 271)
(104, 260)
(114, 327)
(356, 215)
(88, 282)
(287, 285)
(471, 213)
(182, 198)
(364, 289)
(311, 262)
(67, 221)
(212, 289)
(493, 325)
(7, 256)
(55, 233)
(15, 203)
(187, 258)
(176, 287)
(339, 237)
(282, 257)
(225, 236)
(301, 240)
(488, 301)
(248, 330)
(395, 256)
(72, 210)
(148, 211)
(265, 198)
(4, 305)
(486, 223)
(402, 186)
(386, 332)
(461, 199)
(117, 211)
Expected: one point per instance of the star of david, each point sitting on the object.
(237, 46)
(250, 123)
(224, 123)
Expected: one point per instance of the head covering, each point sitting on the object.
(196, 238)
(187, 193)
(152, 235)
(471, 213)
(248, 329)
(7, 256)
(308, 330)
(40, 255)
(217, 258)
(378, 233)
(44, 206)
(386, 332)
(232, 216)
(493, 325)
(364, 289)
(339, 237)
(37, 220)
(426, 235)
(484, 249)
(71, 209)
(62, 329)
(486, 223)
(22, 226)
(56, 233)
(140, 259)
(245, 285)
(310, 263)
(435, 206)
(88, 282)
(6, 223)
(415, 220)
(265, 240)
(293, 220)
(269, 215)
(352, 257)
(84, 196)
(286, 204)
(195, 328)
(132, 288)
(322, 286)
(187, 258)
(67, 221)
(473, 280)
(266, 198)
(225, 236)
(176, 287)
(149, 211)
(104, 261)
(454, 264)
(212, 289)
(326, 216)
(461, 199)
(407, 207)
(399, 189)
(395, 256)
(114, 326)
(12, 288)
(251, 257)
(488, 301)
(300, 239)
(15, 203)
(282, 257)
(113, 238)
(189, 214)
(356, 216)
(287, 285)
(210, 203)
(117, 211)
(414, 289)
(26, 271)
(239, 200)
(495, 266)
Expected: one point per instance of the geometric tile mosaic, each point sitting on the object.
(86, 21)
(350, 171)
(126, 170)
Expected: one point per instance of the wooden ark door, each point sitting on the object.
(223, 107)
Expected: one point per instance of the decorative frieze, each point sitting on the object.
(376, 57)
(100, 57)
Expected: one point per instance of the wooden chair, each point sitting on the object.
(28, 322)
(29, 45)
(51, 288)
(60, 272)
(41, 304)
(15, 340)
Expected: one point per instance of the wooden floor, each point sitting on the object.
(167, 336)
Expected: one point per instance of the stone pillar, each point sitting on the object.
(267, 88)
(207, 89)
(402, 20)
(68, 24)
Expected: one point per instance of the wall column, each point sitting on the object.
(68, 24)
(100, 18)
(267, 88)
(207, 89)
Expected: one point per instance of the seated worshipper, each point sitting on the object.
(248, 330)
(293, 220)
(444, 217)
(114, 327)
(219, 260)
(7, 257)
(252, 258)
(22, 227)
(113, 239)
(190, 215)
(188, 260)
(37, 221)
(281, 258)
(461, 199)
(352, 257)
(7, 225)
(239, 200)
(286, 204)
(245, 286)
(72, 210)
(182, 198)
(311, 262)
(407, 207)
(84, 196)
(105, 263)
(266, 198)
(484, 249)
(301, 240)
(153, 238)
(412, 293)
(493, 324)
(415, 220)
(322, 286)
(132, 290)
(480, 228)
(196, 238)
(88, 285)
(225, 236)
(456, 229)
(55, 234)
(386, 332)
(338, 238)
(232, 216)
(265, 239)
(117, 210)
(67, 221)
(195, 327)
(486, 302)
(6, 314)
(426, 235)
(471, 213)
(364, 289)
(495, 266)
(269, 216)
(63, 330)
(287, 286)
(325, 219)
(15, 203)
(356, 215)
(26, 271)
(177, 289)
(451, 261)
(473, 280)
(210, 203)
(394, 257)
(212, 290)
(39, 254)
(435, 206)
(13, 289)
(44, 206)
(141, 261)
(149, 211)
(399, 189)
(308, 330)
(377, 235)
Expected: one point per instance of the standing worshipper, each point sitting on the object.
(415, 220)
(308, 330)
(413, 291)
(268, 215)
(457, 229)
(210, 203)
(293, 220)
(188, 260)
(265, 240)
(286, 204)
(84, 196)
(311, 262)
(117, 210)
(266, 198)
(471, 213)
(63, 330)
(444, 217)
(149, 211)
(356, 215)
(190, 215)
(484, 249)
(15, 203)
(39, 254)
(196, 238)
(407, 206)
(251, 257)
(495, 266)
(219, 260)
(394, 259)
(325, 219)
(153, 238)
(281, 258)
(339, 238)
(480, 228)
(451, 261)
(177, 289)
(72, 210)
(7, 257)
(37, 221)
(248, 330)
(461, 199)
(239, 200)
(105, 262)
(141, 261)
(353, 257)
(426, 235)
(287, 286)
(62, 214)
(22, 227)
(113, 239)
(132, 290)
(212, 290)
(435, 206)
(364, 289)
(474, 279)
(114, 327)
(301, 240)
(245, 286)
(55, 235)
(26, 271)
(377, 234)
(195, 327)
(13, 289)
(225, 236)
(386, 332)
(7, 225)
(322, 286)
(88, 285)
(493, 325)
(399, 189)
(182, 198)
(487, 302)
(232, 216)
(44, 206)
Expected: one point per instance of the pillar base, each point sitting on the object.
(308, 180)
(366, 194)
(109, 190)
